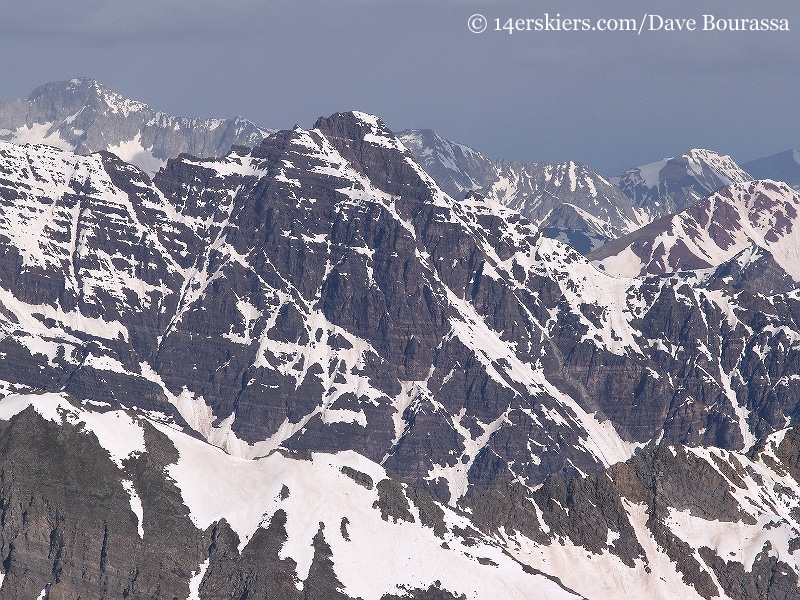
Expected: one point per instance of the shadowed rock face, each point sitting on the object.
(724, 522)
(320, 293)
(67, 520)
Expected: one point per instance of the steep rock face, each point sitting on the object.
(77, 263)
(116, 504)
(112, 503)
(754, 269)
(68, 521)
(320, 292)
(84, 116)
(748, 216)
(670, 522)
(673, 184)
(371, 264)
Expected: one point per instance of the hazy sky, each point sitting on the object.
(610, 99)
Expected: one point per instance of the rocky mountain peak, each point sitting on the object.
(762, 214)
(84, 116)
(359, 127)
(370, 147)
(754, 269)
(672, 184)
(56, 98)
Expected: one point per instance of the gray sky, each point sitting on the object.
(612, 100)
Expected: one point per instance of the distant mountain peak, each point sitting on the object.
(84, 116)
(671, 184)
(83, 93)
(456, 168)
(567, 200)
(762, 214)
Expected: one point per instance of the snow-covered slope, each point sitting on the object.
(761, 214)
(673, 184)
(381, 541)
(84, 116)
(336, 525)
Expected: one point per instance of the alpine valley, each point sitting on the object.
(337, 363)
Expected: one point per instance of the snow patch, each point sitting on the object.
(136, 504)
(197, 579)
(624, 264)
(41, 133)
(132, 151)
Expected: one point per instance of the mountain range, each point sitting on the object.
(672, 184)
(567, 200)
(84, 116)
(304, 369)
(737, 218)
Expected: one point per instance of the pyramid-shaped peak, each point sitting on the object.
(83, 92)
(355, 125)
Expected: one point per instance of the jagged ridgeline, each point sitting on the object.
(418, 397)
(83, 116)
(570, 202)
